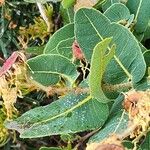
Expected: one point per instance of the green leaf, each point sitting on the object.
(65, 47)
(117, 12)
(91, 27)
(70, 114)
(143, 85)
(65, 32)
(128, 144)
(47, 69)
(116, 125)
(147, 33)
(99, 62)
(146, 57)
(68, 3)
(141, 11)
(143, 48)
(146, 143)
(108, 3)
(36, 50)
(117, 105)
(67, 15)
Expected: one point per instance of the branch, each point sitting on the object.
(51, 90)
(116, 87)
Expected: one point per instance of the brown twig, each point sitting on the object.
(85, 138)
(51, 90)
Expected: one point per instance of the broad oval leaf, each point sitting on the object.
(91, 26)
(99, 62)
(116, 125)
(117, 12)
(64, 33)
(140, 8)
(47, 68)
(70, 114)
(129, 53)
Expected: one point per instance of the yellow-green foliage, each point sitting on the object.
(3, 130)
(39, 29)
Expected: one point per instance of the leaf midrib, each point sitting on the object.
(115, 57)
(138, 9)
(64, 113)
(93, 25)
